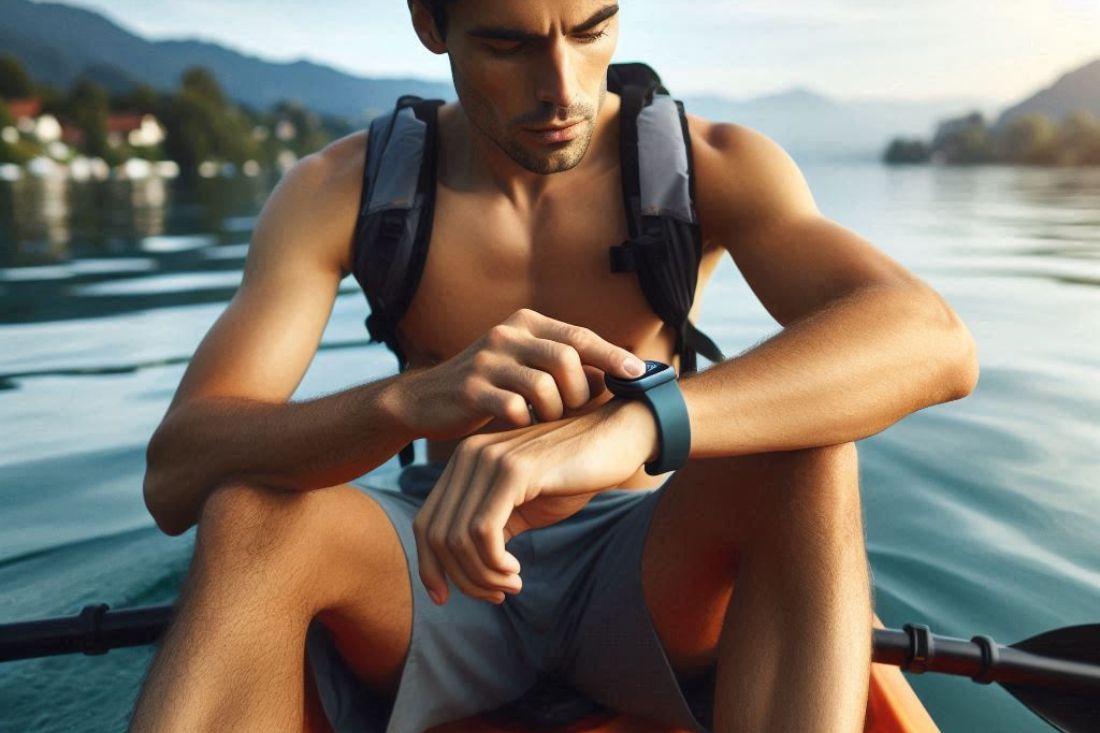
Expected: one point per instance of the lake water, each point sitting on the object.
(983, 515)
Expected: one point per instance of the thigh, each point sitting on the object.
(368, 608)
(708, 513)
(331, 553)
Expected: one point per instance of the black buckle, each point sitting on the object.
(922, 648)
(648, 249)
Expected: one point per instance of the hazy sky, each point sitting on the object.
(994, 49)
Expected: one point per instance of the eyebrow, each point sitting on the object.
(498, 33)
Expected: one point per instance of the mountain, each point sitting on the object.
(58, 43)
(1078, 89)
(809, 124)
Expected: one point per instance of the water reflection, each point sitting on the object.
(63, 243)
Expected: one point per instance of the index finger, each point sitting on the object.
(592, 349)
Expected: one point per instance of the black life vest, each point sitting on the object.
(665, 246)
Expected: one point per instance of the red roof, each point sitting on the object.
(124, 122)
(27, 107)
(71, 134)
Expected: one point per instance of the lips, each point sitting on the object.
(555, 134)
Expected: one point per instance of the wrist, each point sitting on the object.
(638, 422)
(394, 400)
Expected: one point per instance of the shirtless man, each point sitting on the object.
(754, 559)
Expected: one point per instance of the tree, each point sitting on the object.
(202, 125)
(907, 151)
(88, 106)
(1031, 139)
(200, 81)
(142, 99)
(1079, 139)
(14, 82)
(963, 140)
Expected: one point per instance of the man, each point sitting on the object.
(748, 561)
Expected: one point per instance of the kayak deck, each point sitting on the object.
(892, 707)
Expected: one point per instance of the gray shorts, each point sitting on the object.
(580, 618)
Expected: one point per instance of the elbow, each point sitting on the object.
(968, 369)
(155, 487)
(959, 356)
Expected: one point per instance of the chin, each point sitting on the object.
(546, 162)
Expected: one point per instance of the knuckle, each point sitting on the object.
(523, 315)
(495, 453)
(456, 542)
(517, 408)
(471, 389)
(437, 540)
(544, 385)
(582, 334)
(482, 529)
(498, 336)
(566, 357)
(482, 359)
(510, 465)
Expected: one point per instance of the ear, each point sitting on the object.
(424, 24)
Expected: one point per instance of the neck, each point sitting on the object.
(470, 160)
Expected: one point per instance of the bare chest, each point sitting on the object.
(485, 262)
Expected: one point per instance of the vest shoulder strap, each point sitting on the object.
(393, 228)
(665, 244)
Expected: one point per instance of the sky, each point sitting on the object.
(997, 50)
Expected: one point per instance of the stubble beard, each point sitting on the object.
(544, 162)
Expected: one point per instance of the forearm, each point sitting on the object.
(295, 446)
(842, 374)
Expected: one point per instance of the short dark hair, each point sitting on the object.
(438, 9)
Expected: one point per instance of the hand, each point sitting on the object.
(498, 485)
(555, 367)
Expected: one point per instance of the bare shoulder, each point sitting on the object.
(316, 203)
(744, 179)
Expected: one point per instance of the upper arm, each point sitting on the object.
(262, 344)
(754, 202)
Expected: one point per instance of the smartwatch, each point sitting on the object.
(659, 389)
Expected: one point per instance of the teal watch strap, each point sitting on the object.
(660, 391)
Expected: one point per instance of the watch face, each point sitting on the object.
(656, 372)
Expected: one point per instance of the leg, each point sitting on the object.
(266, 563)
(757, 563)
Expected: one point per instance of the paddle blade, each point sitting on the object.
(1066, 710)
(1073, 711)
(1076, 643)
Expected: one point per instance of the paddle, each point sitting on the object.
(1055, 674)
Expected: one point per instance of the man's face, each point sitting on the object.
(521, 67)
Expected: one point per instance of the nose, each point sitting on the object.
(557, 84)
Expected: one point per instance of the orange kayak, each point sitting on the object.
(892, 707)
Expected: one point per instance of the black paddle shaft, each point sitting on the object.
(92, 631)
(916, 650)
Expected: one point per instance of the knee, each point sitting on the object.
(823, 462)
(253, 520)
(818, 485)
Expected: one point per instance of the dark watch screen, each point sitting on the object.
(656, 372)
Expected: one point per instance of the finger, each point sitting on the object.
(597, 387)
(536, 387)
(499, 505)
(510, 407)
(483, 555)
(430, 568)
(562, 363)
(591, 348)
(490, 537)
(450, 541)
